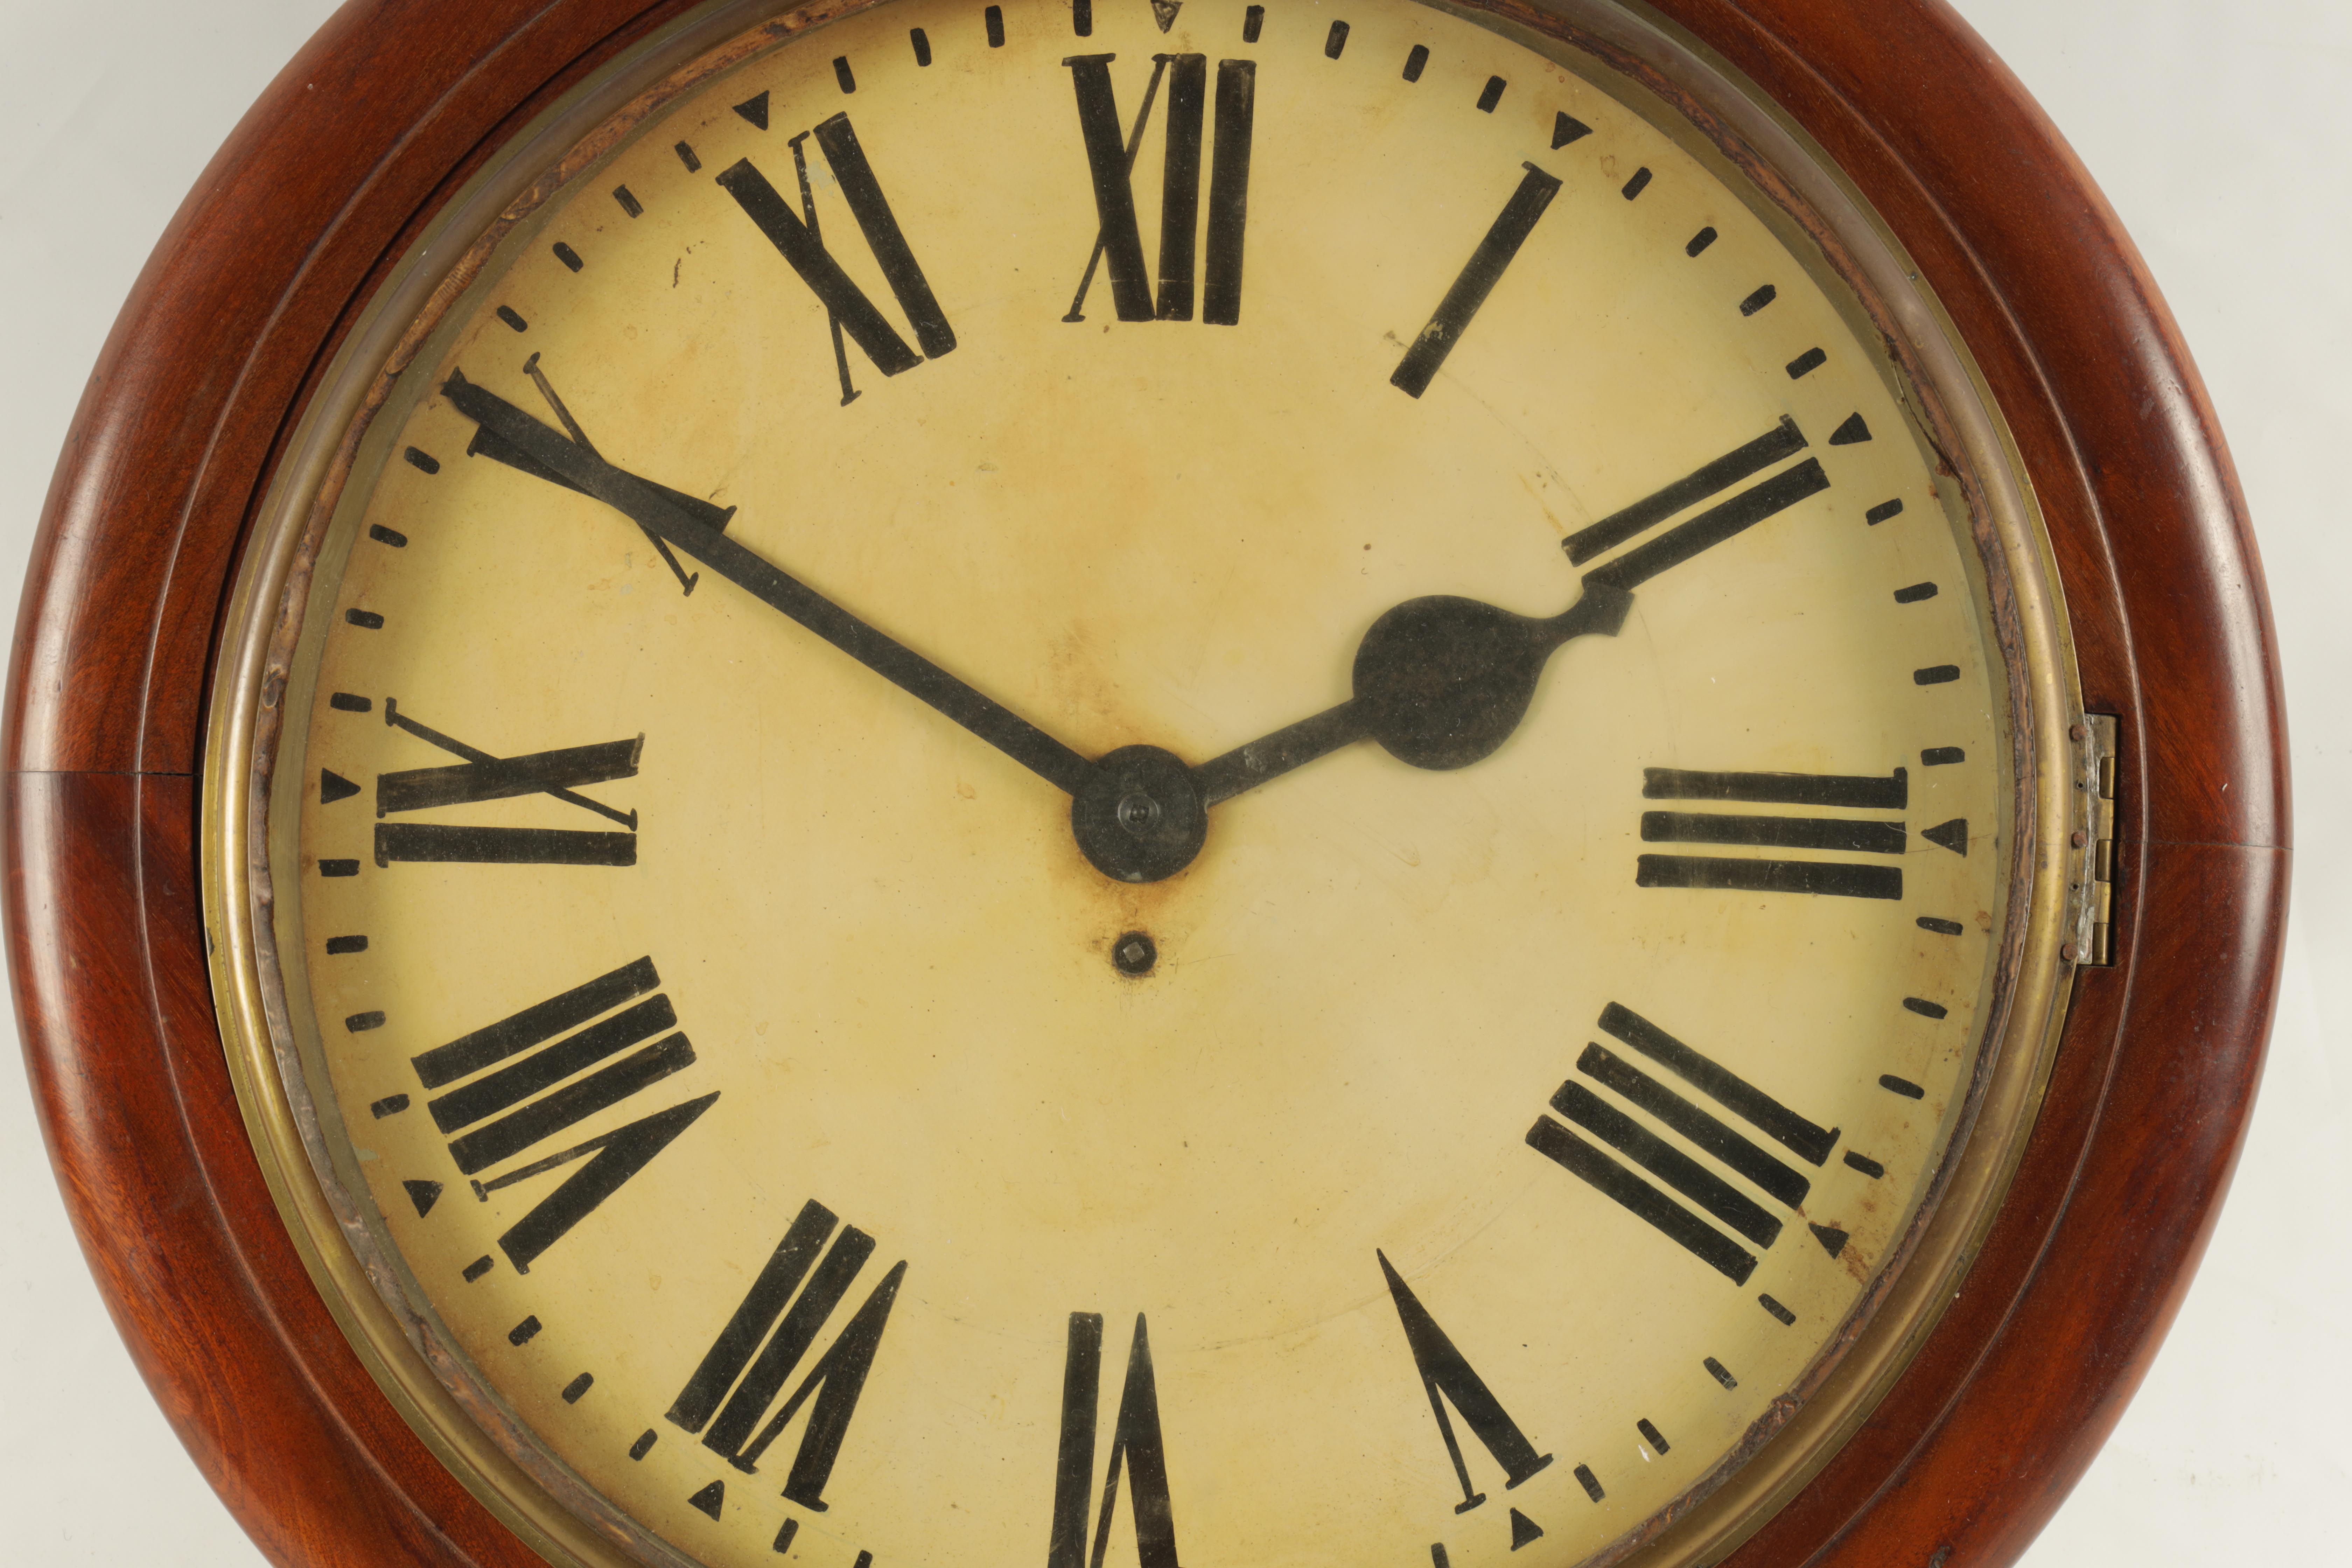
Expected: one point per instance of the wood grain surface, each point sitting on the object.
(352, 149)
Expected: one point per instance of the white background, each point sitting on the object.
(2215, 129)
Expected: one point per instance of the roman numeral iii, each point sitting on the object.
(1447, 1377)
(795, 238)
(1696, 1180)
(767, 1339)
(482, 776)
(1754, 873)
(503, 1101)
(1136, 1445)
(1118, 241)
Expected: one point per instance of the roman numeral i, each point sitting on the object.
(1118, 241)
(1692, 1178)
(506, 1101)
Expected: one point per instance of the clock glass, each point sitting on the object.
(1134, 782)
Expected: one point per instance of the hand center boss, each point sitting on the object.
(1440, 682)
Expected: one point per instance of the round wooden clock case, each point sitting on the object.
(231, 331)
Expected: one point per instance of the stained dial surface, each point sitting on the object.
(1431, 1105)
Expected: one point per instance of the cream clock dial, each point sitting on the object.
(1134, 784)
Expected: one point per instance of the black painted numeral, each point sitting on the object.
(1726, 1203)
(795, 238)
(1446, 1376)
(495, 1077)
(1118, 239)
(1136, 1443)
(481, 776)
(1750, 874)
(1478, 278)
(749, 1374)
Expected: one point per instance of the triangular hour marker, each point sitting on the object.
(334, 786)
(709, 1498)
(1953, 835)
(1165, 10)
(1567, 128)
(423, 1195)
(1853, 432)
(755, 110)
(1833, 1239)
(1524, 1529)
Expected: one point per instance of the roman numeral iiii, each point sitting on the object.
(1708, 1192)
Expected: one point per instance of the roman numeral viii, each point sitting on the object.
(482, 776)
(514, 1087)
(1118, 242)
(766, 1340)
(795, 237)
(1694, 1179)
(1753, 831)
(1446, 1376)
(1136, 1443)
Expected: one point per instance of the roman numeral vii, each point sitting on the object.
(766, 1340)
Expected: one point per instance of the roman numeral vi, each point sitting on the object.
(1136, 1443)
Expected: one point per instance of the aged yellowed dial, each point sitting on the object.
(1143, 784)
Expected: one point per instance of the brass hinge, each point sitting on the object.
(2092, 842)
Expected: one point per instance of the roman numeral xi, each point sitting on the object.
(1707, 1192)
(771, 1334)
(482, 776)
(503, 1101)
(797, 238)
(1118, 241)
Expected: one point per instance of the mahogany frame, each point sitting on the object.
(384, 114)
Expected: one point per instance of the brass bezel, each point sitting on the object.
(1675, 83)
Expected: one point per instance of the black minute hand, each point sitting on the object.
(661, 513)
(1441, 682)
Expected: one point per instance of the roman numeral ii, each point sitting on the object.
(482, 776)
(1111, 163)
(502, 1099)
(749, 1374)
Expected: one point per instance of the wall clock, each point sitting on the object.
(1626, 660)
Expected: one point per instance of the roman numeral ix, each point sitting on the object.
(482, 776)
(767, 1339)
(1136, 1443)
(1715, 1137)
(1118, 241)
(1446, 1375)
(795, 238)
(513, 1087)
